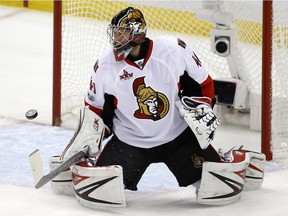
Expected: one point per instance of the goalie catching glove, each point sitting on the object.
(199, 116)
(90, 132)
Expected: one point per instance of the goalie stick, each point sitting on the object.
(36, 164)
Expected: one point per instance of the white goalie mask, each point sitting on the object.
(126, 30)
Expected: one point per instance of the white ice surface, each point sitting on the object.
(25, 82)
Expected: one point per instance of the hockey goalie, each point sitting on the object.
(152, 100)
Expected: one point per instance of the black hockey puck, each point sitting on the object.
(31, 114)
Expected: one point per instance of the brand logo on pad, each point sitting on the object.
(236, 186)
(198, 161)
(86, 192)
(96, 124)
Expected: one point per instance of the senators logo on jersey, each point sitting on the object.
(152, 105)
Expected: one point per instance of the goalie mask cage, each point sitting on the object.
(261, 59)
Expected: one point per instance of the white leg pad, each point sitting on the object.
(222, 183)
(98, 186)
(255, 171)
(61, 184)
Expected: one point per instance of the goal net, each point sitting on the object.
(84, 38)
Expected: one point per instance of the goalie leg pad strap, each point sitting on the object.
(255, 171)
(61, 184)
(222, 183)
(98, 186)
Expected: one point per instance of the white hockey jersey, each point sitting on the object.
(145, 91)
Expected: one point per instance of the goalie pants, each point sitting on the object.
(183, 156)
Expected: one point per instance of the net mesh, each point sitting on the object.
(84, 39)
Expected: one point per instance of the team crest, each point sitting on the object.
(152, 105)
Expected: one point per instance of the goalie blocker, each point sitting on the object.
(90, 132)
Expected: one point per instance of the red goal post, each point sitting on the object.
(57, 60)
(267, 44)
(262, 46)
